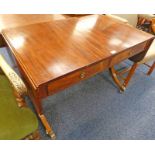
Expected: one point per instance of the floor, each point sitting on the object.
(94, 109)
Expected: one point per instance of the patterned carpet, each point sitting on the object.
(94, 109)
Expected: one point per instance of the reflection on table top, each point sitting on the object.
(15, 20)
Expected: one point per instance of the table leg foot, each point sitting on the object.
(122, 85)
(52, 135)
(122, 90)
(38, 107)
(48, 128)
(113, 73)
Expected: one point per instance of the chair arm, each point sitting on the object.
(117, 18)
(12, 76)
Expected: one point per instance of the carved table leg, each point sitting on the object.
(49, 129)
(115, 78)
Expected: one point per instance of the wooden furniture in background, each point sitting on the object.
(16, 120)
(55, 55)
(148, 20)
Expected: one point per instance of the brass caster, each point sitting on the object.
(122, 89)
(52, 135)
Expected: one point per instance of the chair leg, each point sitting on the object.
(151, 69)
(20, 100)
(114, 74)
(34, 136)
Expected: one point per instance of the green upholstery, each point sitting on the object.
(15, 122)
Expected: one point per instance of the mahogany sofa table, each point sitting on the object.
(55, 55)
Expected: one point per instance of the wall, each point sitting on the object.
(132, 18)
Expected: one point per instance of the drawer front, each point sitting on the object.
(76, 77)
(128, 53)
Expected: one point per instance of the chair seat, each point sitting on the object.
(150, 55)
(15, 122)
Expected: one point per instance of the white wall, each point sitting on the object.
(132, 18)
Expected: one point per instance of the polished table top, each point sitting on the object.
(15, 20)
(49, 50)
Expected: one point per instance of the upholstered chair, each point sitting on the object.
(132, 20)
(17, 121)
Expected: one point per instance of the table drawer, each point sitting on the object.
(128, 53)
(77, 76)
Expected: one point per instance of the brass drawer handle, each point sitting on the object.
(82, 75)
